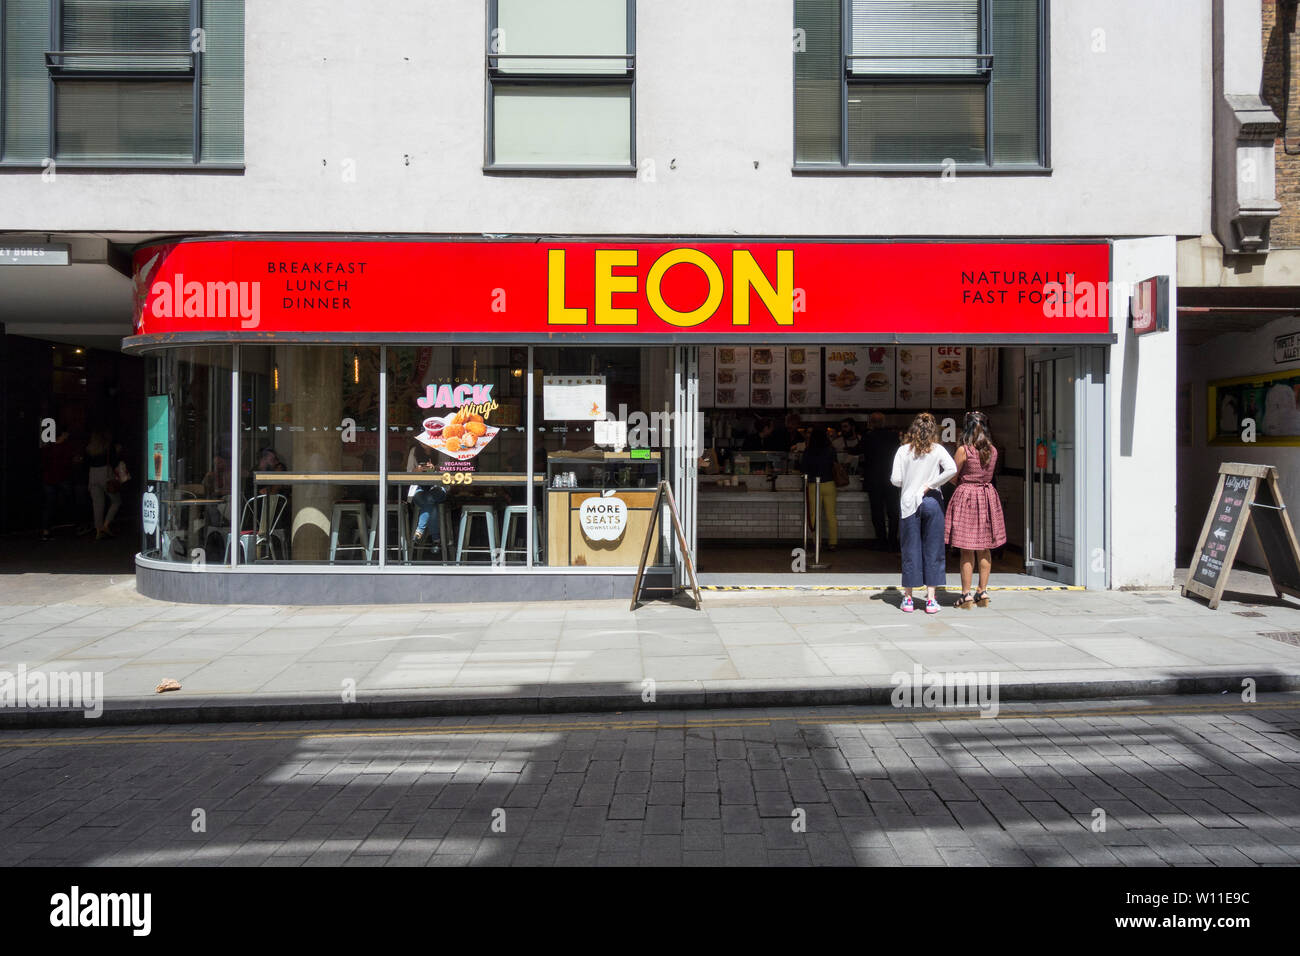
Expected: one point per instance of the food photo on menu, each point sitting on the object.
(912, 377)
(949, 376)
(735, 376)
(460, 435)
(802, 378)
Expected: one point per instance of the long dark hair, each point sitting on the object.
(977, 434)
(817, 440)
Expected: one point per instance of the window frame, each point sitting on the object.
(493, 75)
(985, 77)
(55, 71)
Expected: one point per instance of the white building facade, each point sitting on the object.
(530, 198)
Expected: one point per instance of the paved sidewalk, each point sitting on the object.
(761, 648)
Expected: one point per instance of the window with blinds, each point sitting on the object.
(24, 82)
(911, 37)
(918, 83)
(560, 84)
(127, 81)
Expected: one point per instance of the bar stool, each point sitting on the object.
(444, 531)
(357, 511)
(508, 530)
(402, 546)
(467, 514)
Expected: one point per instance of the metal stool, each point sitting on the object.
(357, 510)
(508, 530)
(402, 545)
(467, 514)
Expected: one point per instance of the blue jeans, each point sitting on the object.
(921, 535)
(426, 503)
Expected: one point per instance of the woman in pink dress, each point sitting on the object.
(974, 522)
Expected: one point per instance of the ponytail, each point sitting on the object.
(977, 434)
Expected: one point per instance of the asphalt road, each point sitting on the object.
(1176, 781)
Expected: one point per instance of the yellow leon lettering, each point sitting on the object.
(607, 260)
(655, 294)
(556, 312)
(779, 298)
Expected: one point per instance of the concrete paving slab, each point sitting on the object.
(745, 648)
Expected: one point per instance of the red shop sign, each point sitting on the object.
(663, 289)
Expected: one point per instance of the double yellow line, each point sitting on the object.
(541, 726)
(878, 587)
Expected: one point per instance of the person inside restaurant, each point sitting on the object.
(879, 446)
(425, 498)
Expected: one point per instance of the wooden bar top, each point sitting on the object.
(394, 477)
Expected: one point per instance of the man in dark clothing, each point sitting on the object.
(56, 476)
(880, 444)
(757, 439)
(776, 438)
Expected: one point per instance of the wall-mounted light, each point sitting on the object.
(275, 376)
(517, 372)
(356, 369)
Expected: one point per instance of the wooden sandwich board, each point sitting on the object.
(665, 494)
(1246, 494)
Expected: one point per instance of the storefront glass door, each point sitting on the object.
(1051, 466)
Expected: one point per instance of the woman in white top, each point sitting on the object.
(921, 467)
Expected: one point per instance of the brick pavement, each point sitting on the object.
(1181, 782)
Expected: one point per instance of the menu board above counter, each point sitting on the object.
(766, 377)
(878, 382)
(731, 377)
(848, 377)
(803, 376)
(913, 377)
(708, 377)
(846, 366)
(859, 376)
(985, 373)
(948, 377)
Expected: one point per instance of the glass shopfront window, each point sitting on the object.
(309, 454)
(188, 458)
(457, 455)
(600, 485)
(465, 466)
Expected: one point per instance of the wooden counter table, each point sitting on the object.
(469, 478)
(567, 546)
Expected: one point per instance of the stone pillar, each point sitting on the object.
(315, 385)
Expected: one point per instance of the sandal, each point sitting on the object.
(982, 598)
(967, 601)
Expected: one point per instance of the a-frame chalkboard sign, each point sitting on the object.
(665, 497)
(1247, 494)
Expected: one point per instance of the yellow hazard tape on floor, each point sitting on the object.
(878, 587)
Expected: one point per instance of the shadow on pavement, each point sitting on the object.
(727, 788)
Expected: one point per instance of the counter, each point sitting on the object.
(612, 536)
(729, 514)
(602, 520)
